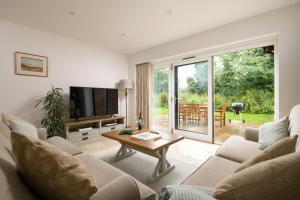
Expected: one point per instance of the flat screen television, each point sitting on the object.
(88, 102)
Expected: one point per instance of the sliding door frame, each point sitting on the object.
(191, 57)
(207, 137)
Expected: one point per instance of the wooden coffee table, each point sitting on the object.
(157, 148)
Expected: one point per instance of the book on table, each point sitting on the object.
(146, 136)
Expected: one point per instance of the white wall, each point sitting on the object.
(285, 22)
(71, 63)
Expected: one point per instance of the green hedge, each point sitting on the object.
(255, 101)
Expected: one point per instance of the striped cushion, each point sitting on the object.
(186, 192)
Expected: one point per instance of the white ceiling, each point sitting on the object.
(129, 26)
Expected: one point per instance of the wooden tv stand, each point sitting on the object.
(87, 130)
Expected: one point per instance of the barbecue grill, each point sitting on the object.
(238, 107)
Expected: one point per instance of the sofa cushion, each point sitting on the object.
(238, 149)
(64, 145)
(7, 118)
(270, 133)
(282, 147)
(186, 192)
(123, 187)
(42, 133)
(97, 167)
(5, 149)
(50, 172)
(11, 185)
(274, 179)
(4, 130)
(211, 172)
(24, 127)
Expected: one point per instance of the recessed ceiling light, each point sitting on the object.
(169, 12)
(72, 13)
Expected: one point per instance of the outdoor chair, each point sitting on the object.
(220, 115)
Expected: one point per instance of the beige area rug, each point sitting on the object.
(187, 155)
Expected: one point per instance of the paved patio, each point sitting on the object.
(221, 133)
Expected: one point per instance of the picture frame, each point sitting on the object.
(31, 64)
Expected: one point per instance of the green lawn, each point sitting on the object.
(160, 111)
(248, 117)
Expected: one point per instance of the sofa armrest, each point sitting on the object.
(42, 133)
(121, 188)
(64, 145)
(251, 134)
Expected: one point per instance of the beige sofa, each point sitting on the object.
(112, 183)
(233, 152)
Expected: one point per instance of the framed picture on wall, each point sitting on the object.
(31, 65)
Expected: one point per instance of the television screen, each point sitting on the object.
(91, 102)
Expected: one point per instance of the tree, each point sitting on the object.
(246, 76)
(160, 80)
(245, 70)
(198, 83)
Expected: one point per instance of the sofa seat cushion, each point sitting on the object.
(105, 173)
(64, 145)
(211, 172)
(238, 149)
(11, 185)
(123, 188)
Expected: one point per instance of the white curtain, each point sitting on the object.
(144, 92)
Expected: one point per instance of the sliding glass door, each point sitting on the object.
(244, 91)
(206, 100)
(192, 99)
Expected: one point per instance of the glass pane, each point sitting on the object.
(244, 91)
(160, 110)
(191, 91)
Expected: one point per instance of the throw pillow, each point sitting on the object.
(274, 179)
(7, 118)
(270, 133)
(49, 172)
(282, 147)
(24, 128)
(186, 192)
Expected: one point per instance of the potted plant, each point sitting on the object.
(55, 108)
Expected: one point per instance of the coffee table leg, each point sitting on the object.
(163, 166)
(122, 153)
